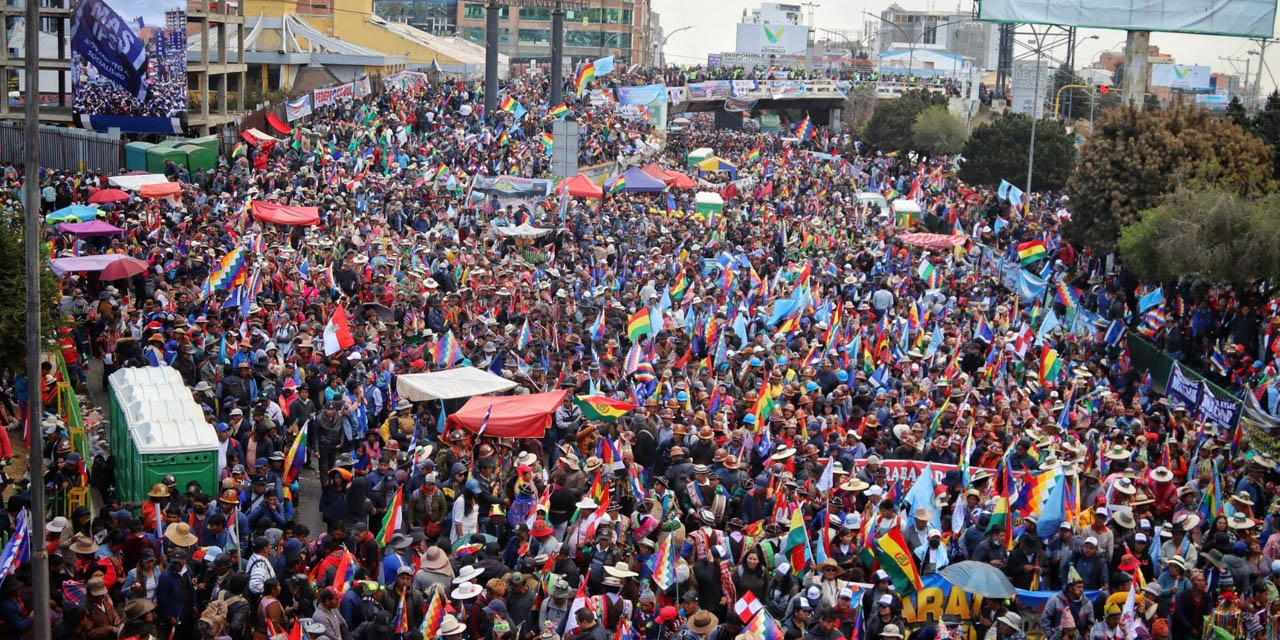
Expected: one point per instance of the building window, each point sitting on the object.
(930, 35)
(535, 36)
(536, 14)
(475, 11)
(476, 35)
(626, 16)
(578, 38)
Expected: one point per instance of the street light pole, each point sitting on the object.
(1072, 71)
(1036, 105)
(662, 46)
(31, 244)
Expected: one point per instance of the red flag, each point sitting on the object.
(337, 333)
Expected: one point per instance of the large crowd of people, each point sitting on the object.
(787, 376)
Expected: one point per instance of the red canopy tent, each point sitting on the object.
(160, 189)
(281, 214)
(681, 181)
(654, 170)
(581, 186)
(526, 416)
(277, 124)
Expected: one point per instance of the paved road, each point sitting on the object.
(308, 512)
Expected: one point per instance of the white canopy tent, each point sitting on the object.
(524, 230)
(136, 182)
(462, 382)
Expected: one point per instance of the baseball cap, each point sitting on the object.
(666, 614)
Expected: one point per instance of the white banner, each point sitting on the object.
(298, 108)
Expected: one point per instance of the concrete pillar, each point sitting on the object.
(557, 55)
(1136, 67)
(491, 57)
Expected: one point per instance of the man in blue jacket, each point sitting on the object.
(175, 613)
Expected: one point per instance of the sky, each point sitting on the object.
(713, 31)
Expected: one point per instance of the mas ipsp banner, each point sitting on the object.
(129, 65)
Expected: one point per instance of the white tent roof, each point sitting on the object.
(708, 197)
(462, 382)
(163, 417)
(525, 230)
(134, 183)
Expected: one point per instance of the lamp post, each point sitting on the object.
(662, 46)
(1035, 105)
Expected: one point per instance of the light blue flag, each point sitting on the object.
(655, 318)
(740, 328)
(921, 495)
(603, 66)
(665, 302)
(1003, 191)
(935, 341)
(782, 309)
(1050, 323)
(1152, 299)
(1015, 196)
(1053, 512)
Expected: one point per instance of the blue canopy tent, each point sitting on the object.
(639, 181)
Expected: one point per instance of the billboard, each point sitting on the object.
(1247, 18)
(772, 39)
(129, 65)
(1186, 77)
(1023, 85)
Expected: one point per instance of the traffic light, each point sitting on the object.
(1103, 89)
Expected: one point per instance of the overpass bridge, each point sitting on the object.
(821, 99)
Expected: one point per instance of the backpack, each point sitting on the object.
(214, 616)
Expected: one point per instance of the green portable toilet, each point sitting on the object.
(199, 158)
(157, 428)
(156, 156)
(698, 155)
(135, 155)
(207, 142)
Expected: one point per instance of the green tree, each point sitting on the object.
(1266, 125)
(998, 151)
(13, 288)
(937, 132)
(1207, 232)
(857, 109)
(1237, 114)
(1133, 157)
(891, 122)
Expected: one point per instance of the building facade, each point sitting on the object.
(439, 17)
(619, 28)
(957, 33)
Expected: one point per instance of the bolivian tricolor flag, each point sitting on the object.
(896, 559)
(391, 522)
(639, 324)
(1029, 252)
(602, 408)
(1050, 365)
(796, 545)
(558, 111)
(618, 184)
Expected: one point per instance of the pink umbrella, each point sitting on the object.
(108, 195)
(124, 267)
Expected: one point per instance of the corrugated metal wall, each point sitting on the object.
(64, 149)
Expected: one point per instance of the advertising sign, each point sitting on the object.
(1186, 77)
(1026, 98)
(129, 65)
(1244, 18)
(772, 39)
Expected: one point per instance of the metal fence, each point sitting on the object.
(64, 149)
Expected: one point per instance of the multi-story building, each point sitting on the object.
(176, 21)
(957, 33)
(619, 28)
(439, 17)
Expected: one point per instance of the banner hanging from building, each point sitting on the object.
(129, 65)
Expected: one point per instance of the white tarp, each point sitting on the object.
(525, 230)
(462, 382)
(136, 182)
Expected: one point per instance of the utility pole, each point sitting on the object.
(557, 55)
(1247, 62)
(31, 243)
(1254, 95)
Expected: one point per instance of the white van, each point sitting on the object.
(872, 197)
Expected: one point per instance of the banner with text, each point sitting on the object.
(129, 65)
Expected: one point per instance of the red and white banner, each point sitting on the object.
(909, 470)
(337, 333)
(747, 606)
